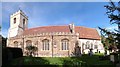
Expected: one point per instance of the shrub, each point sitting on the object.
(16, 52)
(104, 57)
(9, 54)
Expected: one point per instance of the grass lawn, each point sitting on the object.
(85, 60)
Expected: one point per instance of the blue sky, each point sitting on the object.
(88, 14)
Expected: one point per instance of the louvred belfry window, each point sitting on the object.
(14, 20)
(23, 23)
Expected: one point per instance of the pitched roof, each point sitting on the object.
(47, 29)
(84, 32)
(87, 33)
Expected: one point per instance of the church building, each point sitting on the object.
(52, 41)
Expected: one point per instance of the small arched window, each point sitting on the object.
(87, 45)
(96, 45)
(65, 44)
(15, 44)
(14, 20)
(36, 43)
(83, 46)
(91, 45)
(45, 44)
(28, 43)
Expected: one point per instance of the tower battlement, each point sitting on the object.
(19, 12)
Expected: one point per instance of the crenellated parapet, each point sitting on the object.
(48, 34)
(18, 12)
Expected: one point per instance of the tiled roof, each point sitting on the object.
(47, 29)
(84, 32)
(88, 33)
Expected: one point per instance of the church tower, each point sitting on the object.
(18, 23)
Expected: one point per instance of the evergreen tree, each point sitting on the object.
(112, 37)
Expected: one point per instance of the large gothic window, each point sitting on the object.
(45, 44)
(15, 44)
(14, 20)
(28, 43)
(65, 44)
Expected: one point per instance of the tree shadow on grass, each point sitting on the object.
(30, 62)
(87, 61)
(73, 62)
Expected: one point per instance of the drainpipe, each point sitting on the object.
(68, 50)
(23, 44)
(52, 45)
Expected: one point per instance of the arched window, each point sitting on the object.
(45, 44)
(87, 46)
(83, 46)
(36, 43)
(96, 45)
(91, 45)
(65, 44)
(28, 43)
(15, 44)
(14, 20)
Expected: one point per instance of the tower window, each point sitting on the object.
(23, 23)
(14, 20)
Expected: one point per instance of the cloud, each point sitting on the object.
(11, 7)
(109, 28)
(112, 27)
(4, 32)
(7, 7)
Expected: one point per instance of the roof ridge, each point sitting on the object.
(45, 26)
(85, 27)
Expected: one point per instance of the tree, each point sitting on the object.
(0, 28)
(114, 18)
(112, 37)
(31, 50)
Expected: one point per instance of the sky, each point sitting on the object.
(58, 0)
(88, 14)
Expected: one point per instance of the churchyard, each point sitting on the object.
(83, 61)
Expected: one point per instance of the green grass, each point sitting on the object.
(55, 60)
(84, 59)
